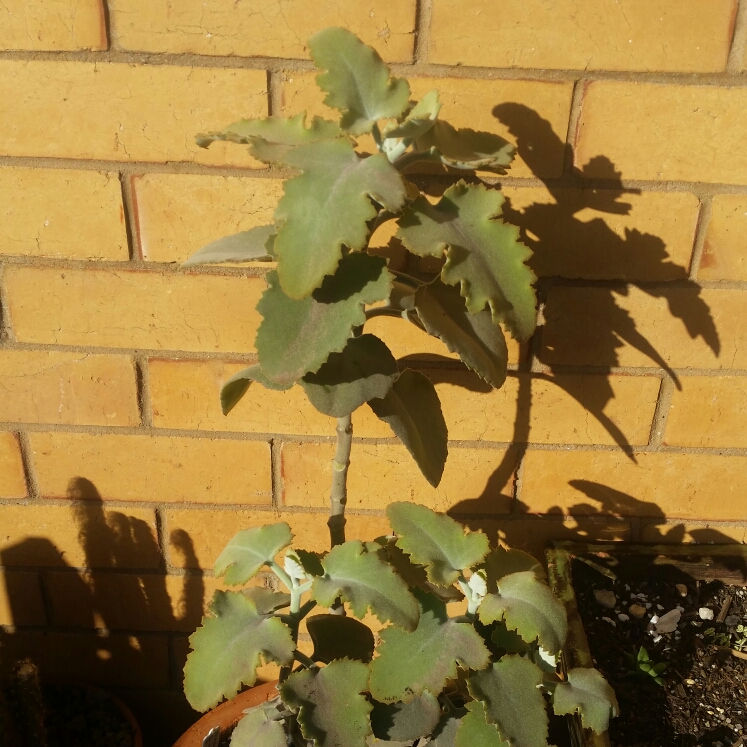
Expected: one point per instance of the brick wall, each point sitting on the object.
(120, 480)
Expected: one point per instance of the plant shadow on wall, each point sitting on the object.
(101, 616)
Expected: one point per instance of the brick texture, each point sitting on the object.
(12, 480)
(723, 251)
(21, 601)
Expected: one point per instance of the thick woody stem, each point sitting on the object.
(339, 493)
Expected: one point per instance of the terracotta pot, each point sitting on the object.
(226, 715)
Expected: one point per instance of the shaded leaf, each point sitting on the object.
(412, 410)
(364, 580)
(357, 81)
(446, 732)
(332, 710)
(246, 246)
(508, 640)
(296, 337)
(419, 119)
(227, 649)
(483, 253)
(501, 562)
(512, 700)
(257, 729)
(340, 637)
(326, 206)
(364, 370)
(238, 385)
(409, 663)
(266, 600)
(475, 731)
(403, 722)
(250, 549)
(478, 342)
(587, 693)
(436, 541)
(528, 606)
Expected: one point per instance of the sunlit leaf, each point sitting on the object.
(483, 254)
(296, 337)
(364, 370)
(249, 550)
(326, 207)
(356, 80)
(501, 562)
(475, 731)
(257, 729)
(266, 600)
(436, 541)
(332, 710)
(587, 693)
(227, 649)
(246, 246)
(402, 722)
(340, 637)
(467, 148)
(419, 119)
(412, 410)
(238, 385)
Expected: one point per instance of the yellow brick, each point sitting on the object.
(178, 214)
(724, 257)
(257, 29)
(661, 132)
(147, 468)
(21, 601)
(126, 309)
(705, 533)
(605, 234)
(589, 326)
(141, 112)
(58, 26)
(643, 35)
(62, 213)
(75, 388)
(536, 113)
(475, 480)
(12, 479)
(84, 535)
(662, 485)
(709, 411)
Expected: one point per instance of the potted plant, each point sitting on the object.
(480, 674)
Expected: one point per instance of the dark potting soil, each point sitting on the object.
(703, 697)
(83, 717)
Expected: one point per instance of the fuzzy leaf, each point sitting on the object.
(528, 606)
(246, 246)
(475, 731)
(412, 410)
(483, 253)
(257, 729)
(326, 206)
(267, 601)
(467, 148)
(364, 580)
(508, 640)
(419, 119)
(340, 637)
(296, 337)
(237, 386)
(357, 81)
(436, 541)
(512, 700)
(501, 562)
(403, 722)
(249, 550)
(409, 663)
(587, 693)
(227, 649)
(478, 342)
(364, 370)
(270, 139)
(332, 710)
(446, 732)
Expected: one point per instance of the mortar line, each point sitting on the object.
(574, 119)
(276, 474)
(738, 40)
(274, 94)
(701, 229)
(46, 598)
(29, 471)
(423, 15)
(142, 379)
(107, 23)
(160, 519)
(6, 330)
(129, 205)
(661, 413)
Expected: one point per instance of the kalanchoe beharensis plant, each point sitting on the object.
(480, 677)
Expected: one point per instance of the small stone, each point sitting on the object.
(705, 614)
(682, 589)
(667, 623)
(654, 619)
(622, 617)
(610, 621)
(732, 620)
(690, 682)
(659, 607)
(606, 598)
(681, 609)
(637, 611)
(657, 638)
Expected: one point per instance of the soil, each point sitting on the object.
(703, 696)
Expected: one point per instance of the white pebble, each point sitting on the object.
(705, 614)
(611, 622)
(622, 617)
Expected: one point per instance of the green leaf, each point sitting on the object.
(467, 148)
(246, 246)
(403, 722)
(227, 649)
(475, 731)
(508, 640)
(419, 119)
(528, 606)
(364, 370)
(296, 337)
(483, 253)
(512, 700)
(587, 693)
(478, 342)
(412, 410)
(501, 562)
(436, 541)
(445, 733)
(249, 550)
(357, 81)
(326, 206)
(257, 729)
(332, 710)
(271, 139)
(409, 663)
(364, 580)
(340, 637)
(266, 600)
(238, 385)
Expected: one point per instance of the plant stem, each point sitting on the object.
(339, 493)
